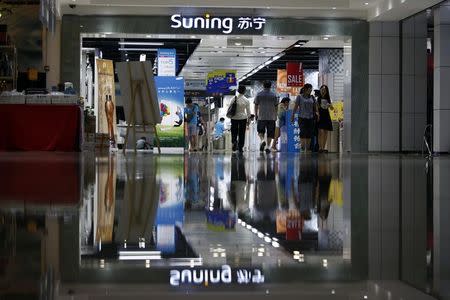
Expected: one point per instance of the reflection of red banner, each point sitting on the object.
(42, 179)
(293, 228)
(294, 74)
(282, 84)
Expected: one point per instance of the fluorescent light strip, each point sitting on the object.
(138, 49)
(140, 257)
(141, 43)
(129, 253)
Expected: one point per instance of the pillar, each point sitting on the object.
(384, 87)
(414, 82)
(52, 55)
(441, 102)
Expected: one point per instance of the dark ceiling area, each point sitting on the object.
(309, 57)
(135, 47)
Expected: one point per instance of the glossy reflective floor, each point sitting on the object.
(85, 226)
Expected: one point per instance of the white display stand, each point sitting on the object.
(139, 97)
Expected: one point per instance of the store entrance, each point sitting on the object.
(185, 67)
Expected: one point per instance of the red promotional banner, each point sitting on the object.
(294, 74)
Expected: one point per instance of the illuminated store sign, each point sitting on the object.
(225, 24)
(223, 275)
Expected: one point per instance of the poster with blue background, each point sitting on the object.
(170, 92)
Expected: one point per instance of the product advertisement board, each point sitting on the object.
(167, 62)
(106, 101)
(221, 82)
(290, 134)
(282, 87)
(295, 74)
(170, 92)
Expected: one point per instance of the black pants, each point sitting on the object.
(238, 128)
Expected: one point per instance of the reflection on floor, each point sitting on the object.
(293, 218)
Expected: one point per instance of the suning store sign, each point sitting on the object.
(224, 275)
(226, 25)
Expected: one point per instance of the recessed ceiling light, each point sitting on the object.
(367, 3)
(280, 37)
(268, 7)
(262, 52)
(148, 36)
(297, 46)
(238, 44)
(334, 8)
(193, 36)
(326, 38)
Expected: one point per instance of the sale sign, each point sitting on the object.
(294, 74)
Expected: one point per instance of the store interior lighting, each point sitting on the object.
(142, 43)
(139, 49)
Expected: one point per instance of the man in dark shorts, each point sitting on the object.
(266, 113)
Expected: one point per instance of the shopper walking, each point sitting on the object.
(191, 119)
(239, 120)
(324, 122)
(305, 102)
(281, 121)
(266, 104)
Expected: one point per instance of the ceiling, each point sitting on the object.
(371, 10)
(240, 53)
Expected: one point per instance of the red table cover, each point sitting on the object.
(40, 127)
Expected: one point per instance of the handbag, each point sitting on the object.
(232, 109)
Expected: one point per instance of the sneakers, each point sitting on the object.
(235, 147)
(262, 146)
(268, 150)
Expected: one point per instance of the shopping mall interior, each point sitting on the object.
(247, 149)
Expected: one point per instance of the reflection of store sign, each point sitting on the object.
(215, 276)
(224, 24)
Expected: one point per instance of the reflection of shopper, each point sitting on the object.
(266, 113)
(305, 102)
(142, 144)
(239, 120)
(219, 128)
(191, 118)
(281, 120)
(324, 124)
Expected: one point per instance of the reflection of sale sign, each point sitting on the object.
(293, 228)
(294, 74)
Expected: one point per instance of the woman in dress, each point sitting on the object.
(324, 120)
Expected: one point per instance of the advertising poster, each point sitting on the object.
(167, 62)
(295, 76)
(170, 92)
(221, 82)
(337, 113)
(290, 135)
(282, 87)
(171, 202)
(106, 117)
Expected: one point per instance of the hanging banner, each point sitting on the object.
(282, 87)
(167, 62)
(106, 101)
(295, 75)
(170, 92)
(221, 82)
